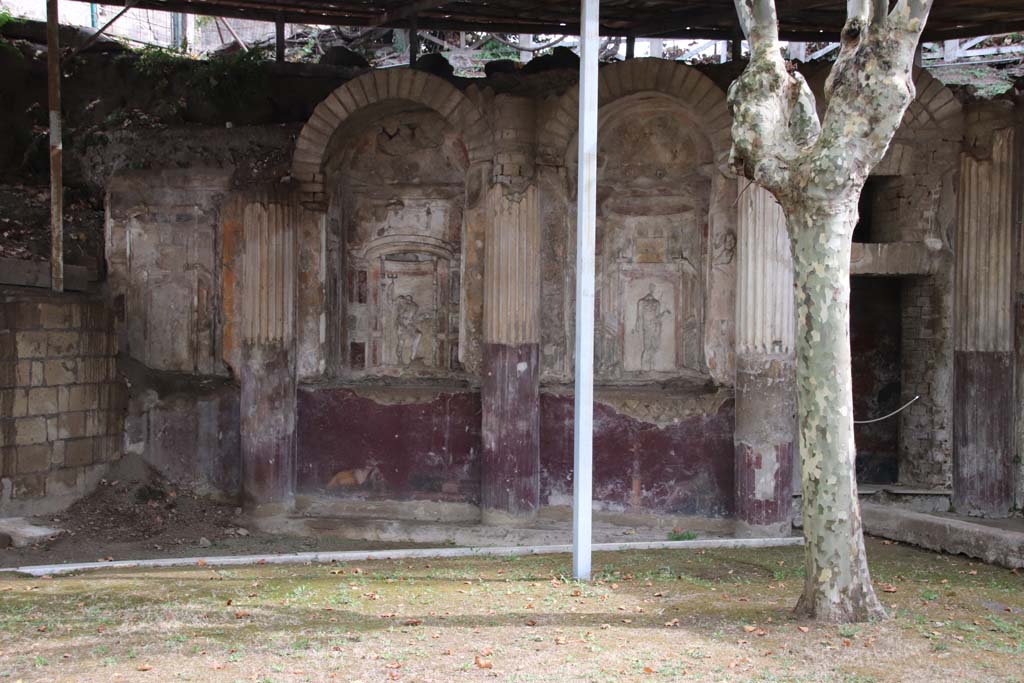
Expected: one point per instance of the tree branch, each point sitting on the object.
(773, 110)
(879, 12)
(859, 10)
(758, 20)
(912, 13)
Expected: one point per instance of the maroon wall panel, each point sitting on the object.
(430, 449)
(683, 468)
(425, 448)
(983, 424)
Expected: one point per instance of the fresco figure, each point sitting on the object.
(648, 325)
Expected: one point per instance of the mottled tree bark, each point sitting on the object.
(817, 169)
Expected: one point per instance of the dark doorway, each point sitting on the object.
(875, 332)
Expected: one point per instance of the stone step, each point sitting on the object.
(948, 533)
(545, 532)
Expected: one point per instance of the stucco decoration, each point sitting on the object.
(385, 87)
(666, 228)
(396, 201)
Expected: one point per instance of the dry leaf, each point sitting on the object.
(802, 629)
(749, 629)
(482, 663)
(143, 667)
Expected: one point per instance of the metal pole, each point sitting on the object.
(96, 36)
(586, 229)
(525, 40)
(56, 180)
(630, 47)
(245, 48)
(414, 41)
(279, 41)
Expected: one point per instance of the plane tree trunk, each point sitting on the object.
(816, 168)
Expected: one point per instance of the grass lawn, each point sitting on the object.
(648, 616)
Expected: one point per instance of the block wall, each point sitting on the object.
(61, 402)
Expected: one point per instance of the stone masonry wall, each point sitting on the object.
(61, 402)
(925, 434)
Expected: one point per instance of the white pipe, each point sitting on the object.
(411, 554)
(586, 230)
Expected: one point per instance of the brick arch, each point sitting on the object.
(402, 84)
(697, 93)
(935, 113)
(934, 107)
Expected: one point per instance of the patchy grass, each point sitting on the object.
(649, 616)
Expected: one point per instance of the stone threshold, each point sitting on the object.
(428, 522)
(946, 533)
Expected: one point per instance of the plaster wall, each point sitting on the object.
(389, 194)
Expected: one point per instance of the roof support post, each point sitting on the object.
(630, 46)
(56, 147)
(586, 230)
(414, 41)
(279, 41)
(241, 43)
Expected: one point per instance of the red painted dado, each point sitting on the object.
(429, 449)
(399, 444)
(682, 468)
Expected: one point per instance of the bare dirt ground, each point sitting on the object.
(651, 616)
(148, 517)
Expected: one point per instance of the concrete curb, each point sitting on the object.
(947, 534)
(418, 553)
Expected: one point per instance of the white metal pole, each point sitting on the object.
(586, 229)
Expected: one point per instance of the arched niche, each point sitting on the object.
(656, 168)
(394, 183)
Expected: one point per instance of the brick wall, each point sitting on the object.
(61, 402)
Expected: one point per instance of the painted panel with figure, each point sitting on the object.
(653, 192)
(397, 213)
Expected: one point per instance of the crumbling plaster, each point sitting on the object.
(645, 103)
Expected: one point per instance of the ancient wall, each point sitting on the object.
(910, 205)
(163, 240)
(61, 399)
(412, 273)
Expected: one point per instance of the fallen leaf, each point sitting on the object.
(749, 629)
(143, 667)
(802, 629)
(482, 663)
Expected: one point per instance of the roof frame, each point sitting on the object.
(803, 20)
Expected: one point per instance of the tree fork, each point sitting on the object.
(816, 168)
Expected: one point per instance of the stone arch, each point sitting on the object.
(935, 112)
(701, 97)
(934, 107)
(375, 87)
